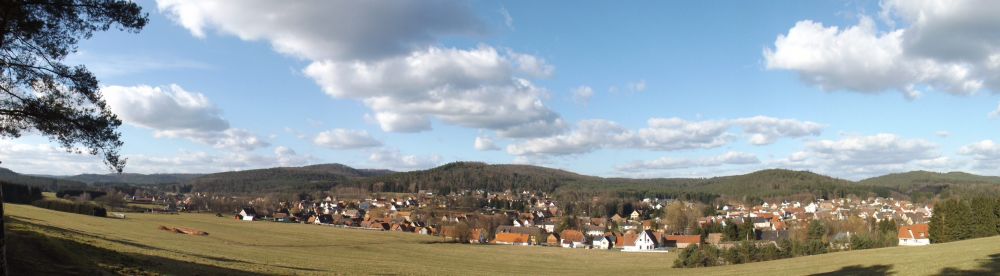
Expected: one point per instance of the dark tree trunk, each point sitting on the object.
(3, 239)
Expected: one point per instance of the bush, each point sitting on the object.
(71, 207)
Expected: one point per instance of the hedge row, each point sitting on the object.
(71, 207)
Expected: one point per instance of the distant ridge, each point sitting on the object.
(769, 183)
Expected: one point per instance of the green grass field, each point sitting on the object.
(49, 242)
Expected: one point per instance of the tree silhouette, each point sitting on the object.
(40, 94)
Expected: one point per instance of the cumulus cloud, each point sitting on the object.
(393, 159)
(346, 139)
(485, 144)
(168, 108)
(471, 88)
(664, 134)
(582, 94)
(173, 112)
(317, 30)
(945, 45)
(765, 130)
(668, 163)
(386, 56)
(45, 158)
(985, 155)
(860, 156)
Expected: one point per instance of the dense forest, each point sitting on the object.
(46, 183)
(132, 178)
(773, 184)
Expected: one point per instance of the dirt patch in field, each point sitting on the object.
(184, 230)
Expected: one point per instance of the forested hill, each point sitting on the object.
(47, 183)
(765, 184)
(474, 175)
(282, 179)
(924, 184)
(132, 178)
(780, 182)
(918, 178)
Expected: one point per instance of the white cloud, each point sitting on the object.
(507, 19)
(470, 88)
(582, 94)
(318, 30)
(393, 159)
(664, 134)
(668, 163)
(168, 108)
(173, 112)
(346, 139)
(638, 86)
(945, 45)
(485, 144)
(49, 159)
(386, 55)
(531, 65)
(995, 113)
(863, 156)
(765, 130)
(942, 134)
(985, 155)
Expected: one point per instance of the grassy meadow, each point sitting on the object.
(49, 242)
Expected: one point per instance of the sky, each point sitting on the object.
(851, 89)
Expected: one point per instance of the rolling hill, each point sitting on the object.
(764, 184)
(47, 183)
(132, 178)
(924, 184)
(281, 179)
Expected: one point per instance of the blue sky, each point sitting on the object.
(637, 89)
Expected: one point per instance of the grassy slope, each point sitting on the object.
(235, 247)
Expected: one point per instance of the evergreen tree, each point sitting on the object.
(984, 222)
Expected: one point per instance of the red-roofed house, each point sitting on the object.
(682, 241)
(914, 235)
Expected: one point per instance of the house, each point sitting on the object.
(617, 219)
(682, 241)
(594, 230)
(605, 242)
(645, 241)
(553, 240)
(477, 235)
(573, 239)
(635, 215)
(247, 214)
(281, 217)
(513, 239)
(914, 235)
(324, 219)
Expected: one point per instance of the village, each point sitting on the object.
(648, 226)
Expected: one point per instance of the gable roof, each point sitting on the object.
(512, 238)
(573, 236)
(916, 231)
(684, 238)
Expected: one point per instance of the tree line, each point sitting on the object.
(960, 219)
(744, 246)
